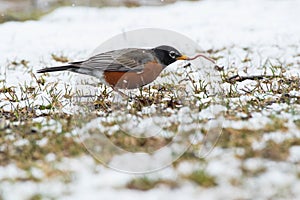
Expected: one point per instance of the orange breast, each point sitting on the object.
(131, 80)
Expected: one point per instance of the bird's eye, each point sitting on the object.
(172, 54)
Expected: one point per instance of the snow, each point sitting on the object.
(267, 26)
(295, 154)
(219, 167)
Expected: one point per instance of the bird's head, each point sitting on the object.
(168, 55)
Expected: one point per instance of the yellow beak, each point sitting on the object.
(183, 57)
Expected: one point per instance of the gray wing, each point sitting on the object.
(125, 60)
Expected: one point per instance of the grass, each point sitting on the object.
(23, 15)
(31, 152)
(22, 135)
(144, 183)
(244, 138)
(201, 178)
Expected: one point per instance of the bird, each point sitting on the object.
(126, 68)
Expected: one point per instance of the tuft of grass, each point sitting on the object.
(144, 183)
(135, 144)
(238, 137)
(36, 197)
(60, 58)
(203, 179)
(254, 172)
(297, 122)
(277, 124)
(275, 151)
(189, 155)
(23, 15)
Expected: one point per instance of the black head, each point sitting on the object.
(167, 54)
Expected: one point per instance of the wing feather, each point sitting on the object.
(130, 59)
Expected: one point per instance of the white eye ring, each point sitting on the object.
(172, 54)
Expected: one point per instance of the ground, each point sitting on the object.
(251, 152)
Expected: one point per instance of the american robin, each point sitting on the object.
(125, 68)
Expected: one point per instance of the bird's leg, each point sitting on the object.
(120, 93)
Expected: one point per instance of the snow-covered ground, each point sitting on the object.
(261, 30)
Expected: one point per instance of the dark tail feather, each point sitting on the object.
(59, 68)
